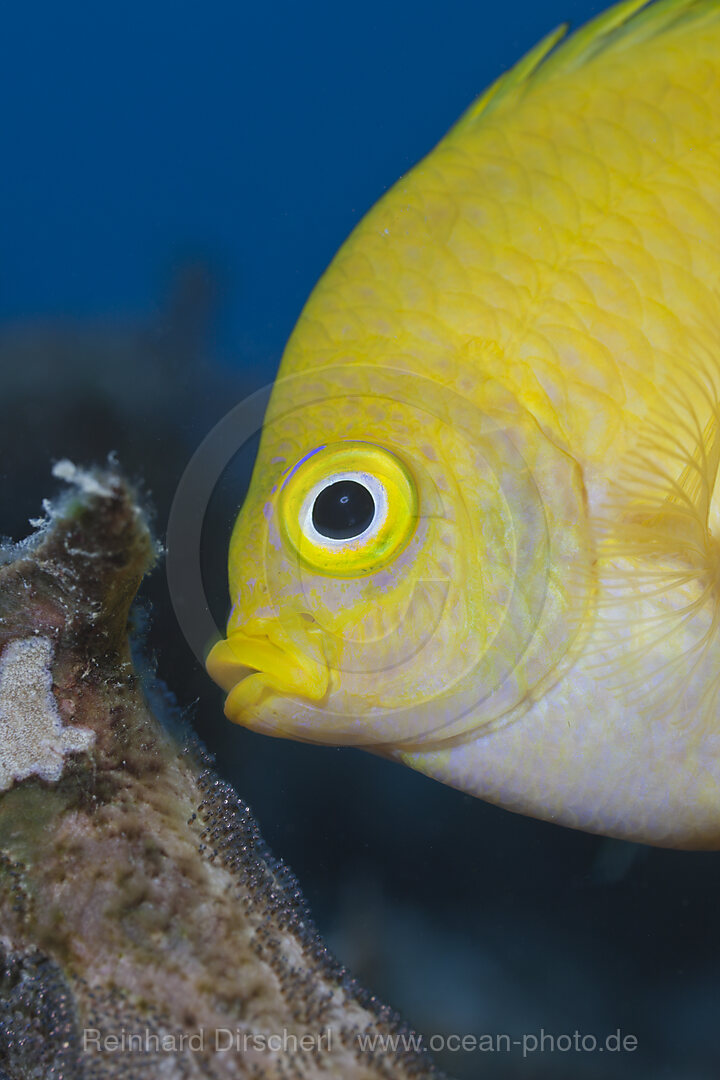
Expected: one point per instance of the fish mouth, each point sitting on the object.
(249, 665)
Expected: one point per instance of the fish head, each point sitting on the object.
(393, 570)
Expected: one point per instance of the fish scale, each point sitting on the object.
(528, 324)
(522, 255)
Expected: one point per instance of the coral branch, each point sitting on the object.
(145, 930)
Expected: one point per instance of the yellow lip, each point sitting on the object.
(246, 665)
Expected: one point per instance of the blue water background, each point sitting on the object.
(136, 134)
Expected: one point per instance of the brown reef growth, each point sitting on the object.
(144, 926)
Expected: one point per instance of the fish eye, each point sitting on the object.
(342, 510)
(348, 508)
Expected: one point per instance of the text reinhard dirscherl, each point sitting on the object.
(226, 1040)
(219, 1040)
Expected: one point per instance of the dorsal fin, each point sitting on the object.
(623, 26)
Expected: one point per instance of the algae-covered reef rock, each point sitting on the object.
(145, 930)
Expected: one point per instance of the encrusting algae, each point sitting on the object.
(145, 930)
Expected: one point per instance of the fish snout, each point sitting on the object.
(262, 657)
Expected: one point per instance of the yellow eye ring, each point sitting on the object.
(386, 492)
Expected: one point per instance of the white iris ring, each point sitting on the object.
(379, 495)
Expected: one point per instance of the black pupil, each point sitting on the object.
(343, 510)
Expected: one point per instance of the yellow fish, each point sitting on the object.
(482, 537)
